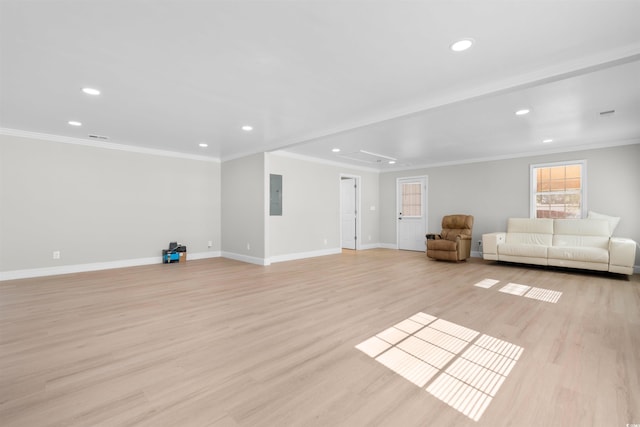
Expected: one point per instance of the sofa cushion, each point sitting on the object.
(581, 227)
(522, 250)
(581, 233)
(529, 231)
(529, 239)
(530, 225)
(566, 240)
(585, 254)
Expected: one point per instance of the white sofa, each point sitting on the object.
(577, 243)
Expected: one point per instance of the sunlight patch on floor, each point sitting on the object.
(458, 365)
(515, 289)
(486, 283)
(540, 294)
(544, 295)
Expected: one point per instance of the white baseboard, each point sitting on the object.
(245, 258)
(302, 255)
(388, 245)
(95, 266)
(369, 246)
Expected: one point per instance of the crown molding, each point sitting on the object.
(105, 145)
(595, 146)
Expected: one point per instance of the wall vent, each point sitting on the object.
(101, 137)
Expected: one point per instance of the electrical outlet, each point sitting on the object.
(248, 246)
(325, 241)
(209, 243)
(56, 254)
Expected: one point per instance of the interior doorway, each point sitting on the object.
(349, 211)
(411, 213)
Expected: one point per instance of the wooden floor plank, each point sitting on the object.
(223, 343)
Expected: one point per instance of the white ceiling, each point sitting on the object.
(310, 76)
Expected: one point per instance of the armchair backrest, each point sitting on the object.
(454, 225)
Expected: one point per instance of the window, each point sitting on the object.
(412, 199)
(558, 190)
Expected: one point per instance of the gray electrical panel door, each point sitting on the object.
(275, 195)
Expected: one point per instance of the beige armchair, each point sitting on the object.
(454, 242)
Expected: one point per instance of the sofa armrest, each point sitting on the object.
(622, 255)
(490, 242)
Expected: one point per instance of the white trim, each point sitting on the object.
(476, 254)
(96, 266)
(620, 143)
(373, 246)
(104, 144)
(321, 161)
(302, 255)
(203, 255)
(246, 258)
(388, 245)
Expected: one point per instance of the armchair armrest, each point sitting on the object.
(490, 242)
(464, 246)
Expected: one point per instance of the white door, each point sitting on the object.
(348, 191)
(412, 213)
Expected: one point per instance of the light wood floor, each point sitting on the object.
(223, 343)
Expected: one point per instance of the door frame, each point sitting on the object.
(425, 199)
(358, 208)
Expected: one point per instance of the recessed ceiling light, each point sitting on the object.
(336, 150)
(74, 123)
(523, 112)
(90, 91)
(392, 162)
(461, 45)
(546, 141)
(247, 128)
(203, 145)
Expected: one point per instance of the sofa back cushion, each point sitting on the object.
(529, 231)
(581, 233)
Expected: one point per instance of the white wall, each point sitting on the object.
(243, 209)
(496, 190)
(105, 208)
(311, 207)
(98, 205)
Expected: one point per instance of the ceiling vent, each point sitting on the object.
(607, 112)
(100, 137)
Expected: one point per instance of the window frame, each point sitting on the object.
(534, 182)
